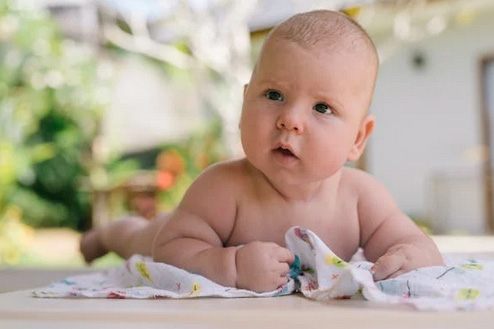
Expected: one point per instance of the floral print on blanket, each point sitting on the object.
(317, 273)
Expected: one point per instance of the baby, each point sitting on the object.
(304, 115)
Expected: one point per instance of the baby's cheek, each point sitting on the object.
(328, 160)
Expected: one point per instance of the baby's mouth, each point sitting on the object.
(285, 152)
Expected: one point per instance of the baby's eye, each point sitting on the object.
(322, 108)
(274, 95)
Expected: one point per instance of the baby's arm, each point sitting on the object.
(389, 238)
(195, 235)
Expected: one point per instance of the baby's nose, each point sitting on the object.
(289, 126)
(291, 120)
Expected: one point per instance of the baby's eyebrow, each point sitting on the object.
(279, 82)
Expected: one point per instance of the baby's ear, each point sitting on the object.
(365, 130)
(245, 92)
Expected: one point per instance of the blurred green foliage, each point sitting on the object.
(52, 92)
(14, 237)
(168, 169)
(52, 95)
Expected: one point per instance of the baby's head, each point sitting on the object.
(309, 93)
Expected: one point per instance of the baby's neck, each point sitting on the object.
(306, 192)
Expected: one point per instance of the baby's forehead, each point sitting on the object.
(348, 50)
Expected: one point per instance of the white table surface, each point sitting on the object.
(20, 310)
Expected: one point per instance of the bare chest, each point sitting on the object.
(267, 221)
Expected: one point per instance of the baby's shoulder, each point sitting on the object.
(358, 181)
(226, 168)
(367, 189)
(218, 183)
(226, 173)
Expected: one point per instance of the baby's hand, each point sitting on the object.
(402, 258)
(263, 266)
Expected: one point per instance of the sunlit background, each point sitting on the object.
(111, 107)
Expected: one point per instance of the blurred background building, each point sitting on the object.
(140, 96)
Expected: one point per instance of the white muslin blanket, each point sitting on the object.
(317, 273)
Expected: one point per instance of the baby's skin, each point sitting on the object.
(304, 115)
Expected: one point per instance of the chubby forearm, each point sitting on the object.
(393, 230)
(199, 257)
(407, 254)
(429, 253)
(389, 238)
(380, 245)
(398, 246)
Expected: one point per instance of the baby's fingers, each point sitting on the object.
(387, 266)
(285, 256)
(397, 273)
(283, 269)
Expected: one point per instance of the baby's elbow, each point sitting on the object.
(155, 251)
(437, 257)
(159, 249)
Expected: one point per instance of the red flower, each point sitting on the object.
(171, 161)
(165, 180)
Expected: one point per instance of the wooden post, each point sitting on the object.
(487, 117)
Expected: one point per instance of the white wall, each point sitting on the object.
(148, 108)
(428, 123)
